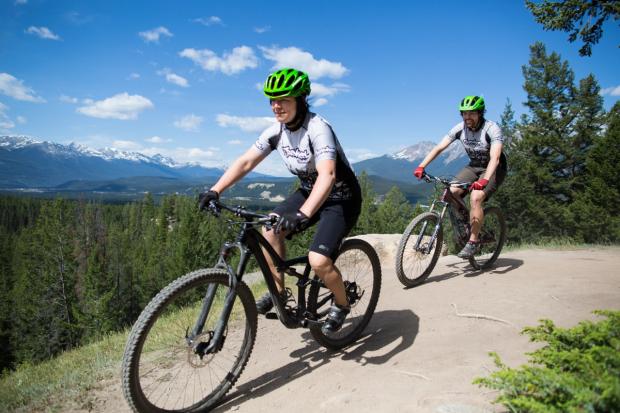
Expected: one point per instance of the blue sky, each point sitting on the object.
(183, 78)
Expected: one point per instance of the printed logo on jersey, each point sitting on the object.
(301, 155)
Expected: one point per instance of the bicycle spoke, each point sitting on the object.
(171, 374)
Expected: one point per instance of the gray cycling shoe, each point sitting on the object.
(335, 319)
(264, 304)
(469, 250)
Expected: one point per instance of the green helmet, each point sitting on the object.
(286, 82)
(472, 103)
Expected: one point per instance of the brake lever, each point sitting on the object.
(272, 222)
(214, 208)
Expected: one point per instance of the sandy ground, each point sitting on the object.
(419, 352)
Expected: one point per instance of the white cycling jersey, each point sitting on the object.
(478, 143)
(314, 141)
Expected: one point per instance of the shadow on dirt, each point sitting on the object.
(386, 328)
(501, 266)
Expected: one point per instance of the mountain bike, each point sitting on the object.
(192, 341)
(421, 243)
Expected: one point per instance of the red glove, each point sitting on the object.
(419, 171)
(479, 185)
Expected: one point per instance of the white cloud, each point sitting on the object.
(173, 77)
(68, 99)
(261, 30)
(246, 124)
(206, 157)
(21, 120)
(134, 76)
(121, 106)
(190, 123)
(126, 145)
(360, 154)
(177, 80)
(302, 60)
(14, 88)
(319, 89)
(612, 91)
(20, 2)
(241, 58)
(319, 102)
(42, 32)
(5, 122)
(235, 142)
(209, 21)
(157, 139)
(154, 34)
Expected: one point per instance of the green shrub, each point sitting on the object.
(578, 370)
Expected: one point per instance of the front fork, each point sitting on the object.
(216, 338)
(429, 246)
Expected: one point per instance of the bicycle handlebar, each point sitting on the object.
(446, 182)
(215, 207)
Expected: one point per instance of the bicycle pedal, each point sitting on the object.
(271, 316)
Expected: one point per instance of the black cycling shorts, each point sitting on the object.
(335, 220)
(473, 173)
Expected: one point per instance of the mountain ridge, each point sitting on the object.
(31, 165)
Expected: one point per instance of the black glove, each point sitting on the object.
(206, 197)
(292, 222)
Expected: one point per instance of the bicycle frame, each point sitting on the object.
(249, 242)
(447, 202)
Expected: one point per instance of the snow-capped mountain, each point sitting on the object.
(76, 150)
(400, 165)
(418, 151)
(27, 162)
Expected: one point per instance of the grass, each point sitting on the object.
(67, 381)
(68, 378)
(555, 244)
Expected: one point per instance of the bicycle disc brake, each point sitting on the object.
(353, 292)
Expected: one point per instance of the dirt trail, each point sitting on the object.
(420, 353)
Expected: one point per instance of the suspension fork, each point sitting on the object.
(233, 278)
(427, 250)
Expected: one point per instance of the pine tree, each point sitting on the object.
(583, 19)
(45, 286)
(367, 222)
(596, 210)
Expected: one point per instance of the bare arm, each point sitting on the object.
(496, 152)
(322, 187)
(244, 164)
(439, 148)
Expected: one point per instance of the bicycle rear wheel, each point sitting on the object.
(163, 371)
(361, 272)
(416, 256)
(492, 237)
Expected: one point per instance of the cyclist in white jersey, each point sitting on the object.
(329, 193)
(483, 142)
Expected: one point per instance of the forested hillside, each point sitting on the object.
(74, 270)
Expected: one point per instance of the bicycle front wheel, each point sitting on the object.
(164, 368)
(492, 237)
(361, 273)
(417, 252)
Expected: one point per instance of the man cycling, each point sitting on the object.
(329, 192)
(483, 142)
